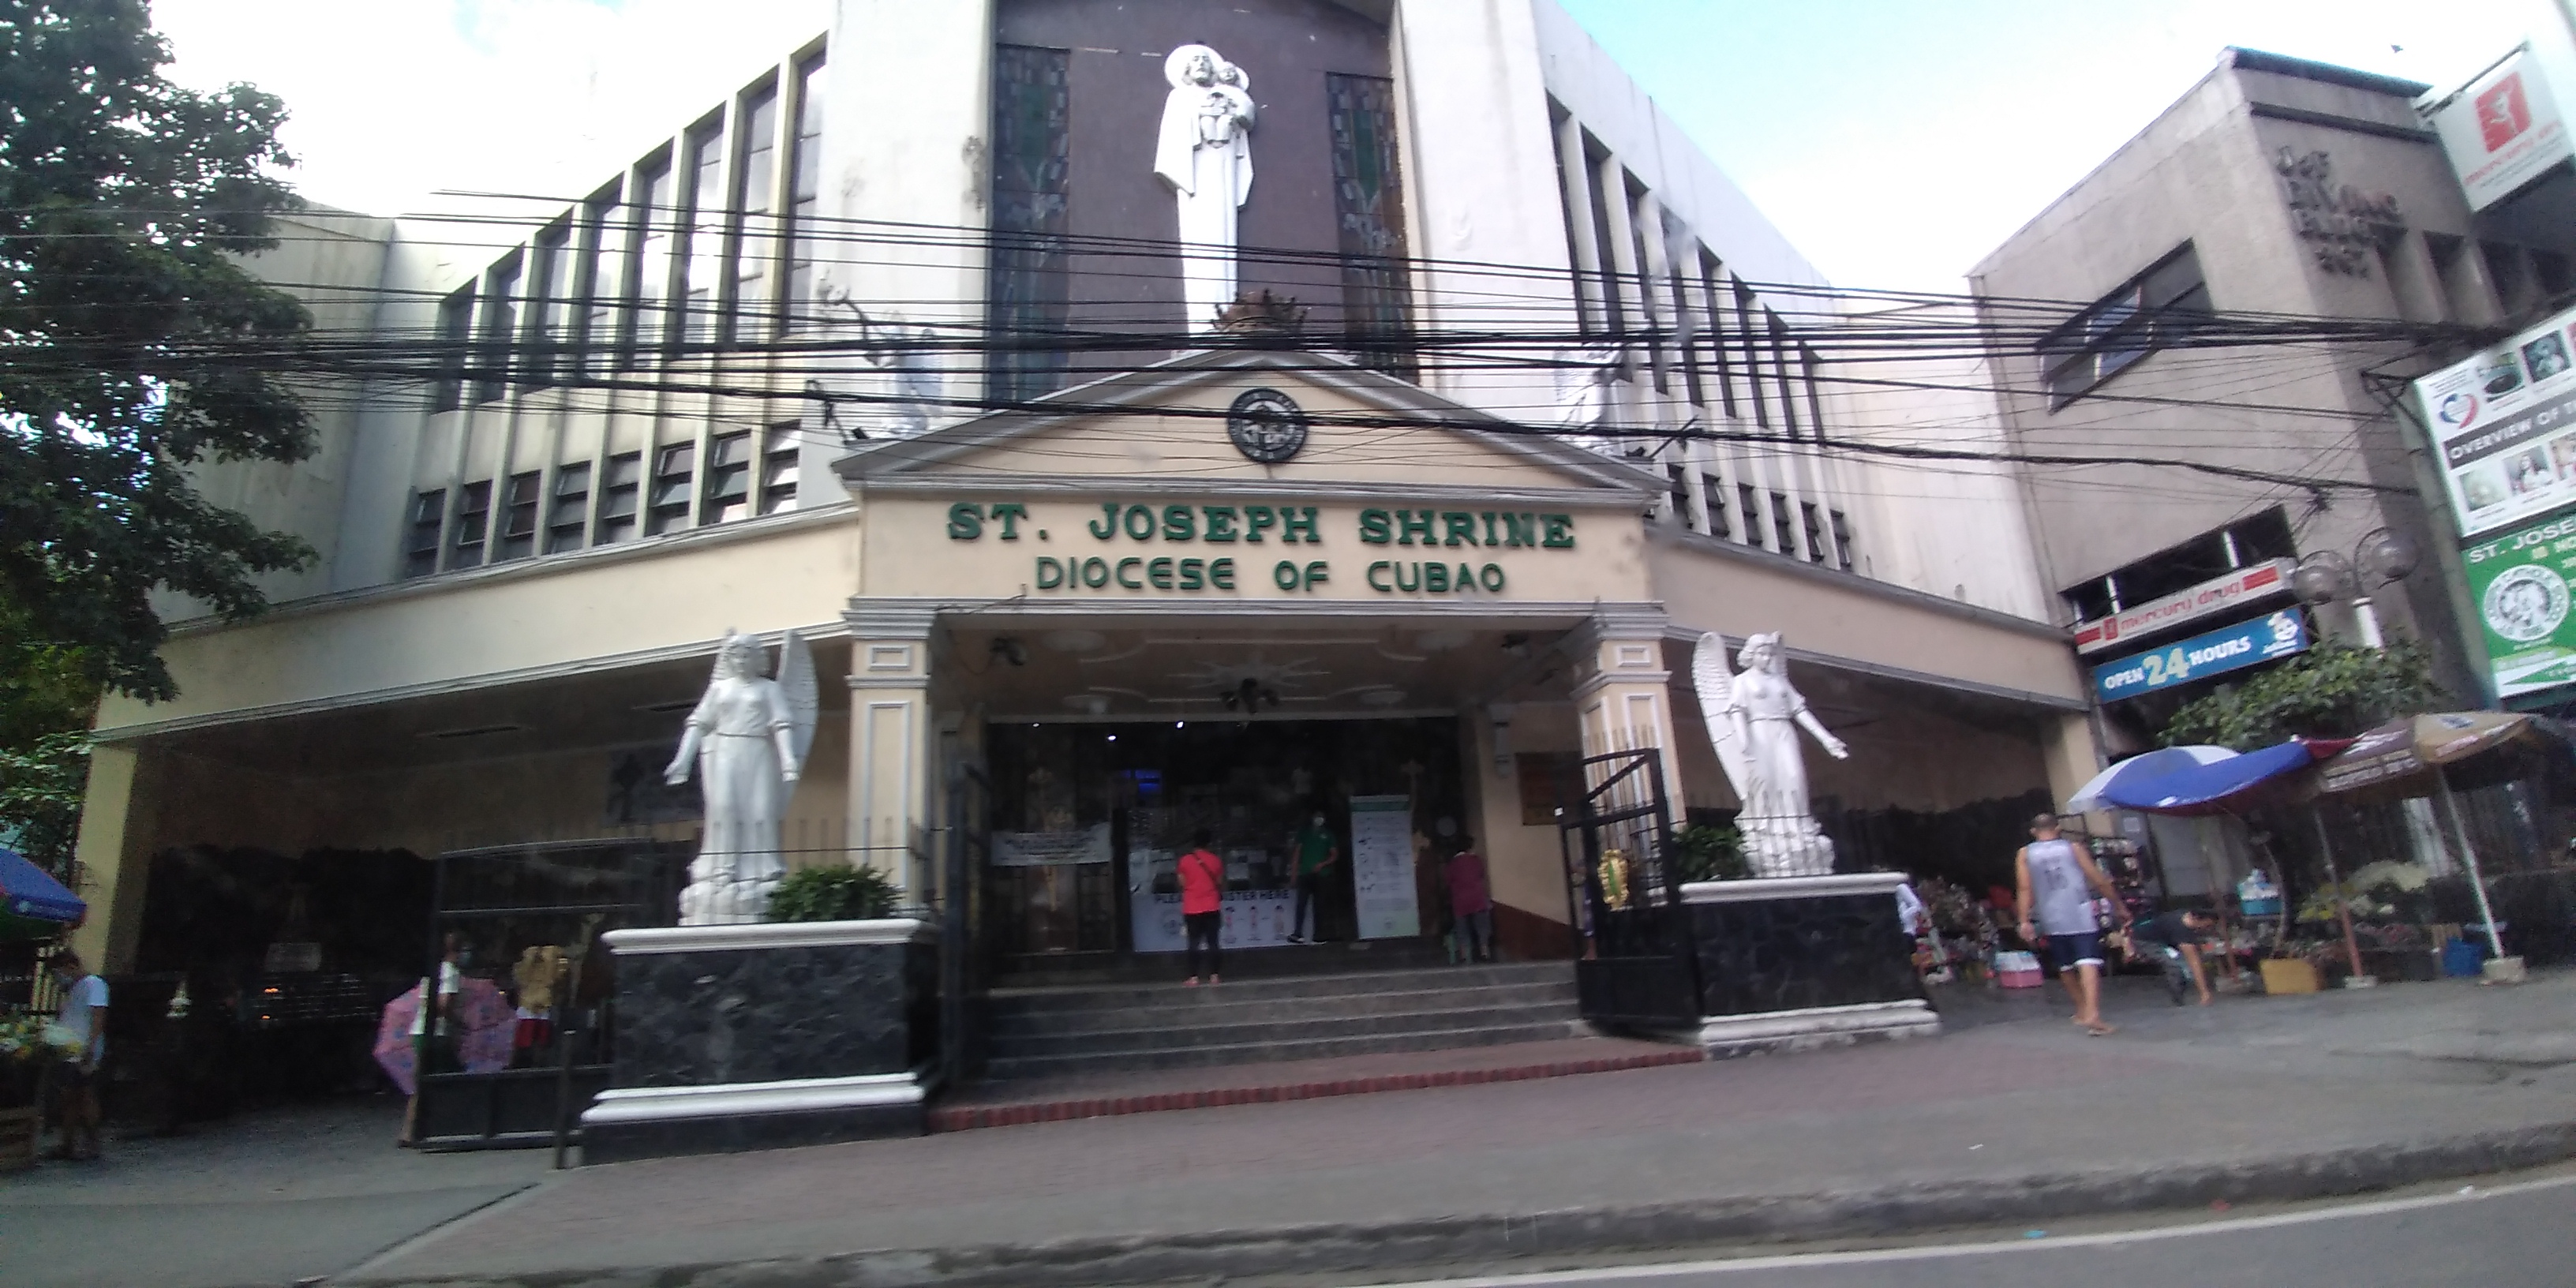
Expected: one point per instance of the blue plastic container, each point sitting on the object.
(2461, 959)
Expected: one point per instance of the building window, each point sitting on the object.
(1677, 486)
(1749, 513)
(420, 549)
(499, 326)
(1752, 360)
(728, 479)
(455, 331)
(750, 315)
(620, 489)
(1807, 364)
(1596, 159)
(778, 466)
(1711, 273)
(2151, 310)
(1842, 540)
(1815, 524)
(805, 199)
(703, 257)
(667, 509)
(1783, 528)
(473, 515)
(1368, 205)
(650, 321)
(550, 305)
(604, 252)
(519, 517)
(1713, 490)
(1031, 138)
(571, 510)
(1780, 346)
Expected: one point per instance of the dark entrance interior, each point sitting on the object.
(1107, 807)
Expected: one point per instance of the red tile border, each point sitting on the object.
(969, 1118)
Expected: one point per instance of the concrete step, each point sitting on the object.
(1223, 1006)
(1004, 1003)
(1231, 1033)
(1020, 1067)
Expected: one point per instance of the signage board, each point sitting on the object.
(2503, 130)
(2519, 582)
(2264, 639)
(2209, 598)
(1382, 866)
(2504, 423)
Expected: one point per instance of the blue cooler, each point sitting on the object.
(2461, 959)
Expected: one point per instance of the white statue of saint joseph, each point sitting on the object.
(747, 739)
(1204, 150)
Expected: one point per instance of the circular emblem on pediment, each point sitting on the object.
(1267, 426)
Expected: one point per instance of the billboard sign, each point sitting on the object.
(2503, 130)
(2265, 639)
(2504, 423)
(2520, 584)
(2217, 595)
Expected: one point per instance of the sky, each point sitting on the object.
(1895, 142)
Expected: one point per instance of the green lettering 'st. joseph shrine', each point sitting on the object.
(1290, 524)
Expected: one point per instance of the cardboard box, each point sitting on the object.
(2289, 975)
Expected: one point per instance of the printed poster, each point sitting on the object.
(1382, 866)
(2520, 584)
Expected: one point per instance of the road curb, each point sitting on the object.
(975, 1117)
(1397, 1245)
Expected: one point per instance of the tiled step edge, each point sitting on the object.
(969, 1117)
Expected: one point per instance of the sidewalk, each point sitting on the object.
(2014, 1115)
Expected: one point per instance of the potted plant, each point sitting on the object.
(1707, 853)
(839, 892)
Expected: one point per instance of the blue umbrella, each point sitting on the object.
(2219, 786)
(28, 891)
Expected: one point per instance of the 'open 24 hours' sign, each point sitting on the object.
(2216, 653)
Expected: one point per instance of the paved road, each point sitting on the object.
(2508, 1236)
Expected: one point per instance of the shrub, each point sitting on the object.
(1705, 853)
(836, 893)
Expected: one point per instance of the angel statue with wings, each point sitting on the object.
(1754, 719)
(747, 739)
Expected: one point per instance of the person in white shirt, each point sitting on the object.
(72, 1082)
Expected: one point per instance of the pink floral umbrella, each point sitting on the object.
(484, 1021)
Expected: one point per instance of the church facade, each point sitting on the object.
(912, 348)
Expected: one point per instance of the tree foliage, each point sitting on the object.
(126, 203)
(2331, 691)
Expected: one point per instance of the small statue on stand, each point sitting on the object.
(1754, 718)
(747, 740)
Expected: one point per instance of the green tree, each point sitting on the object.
(2331, 691)
(131, 331)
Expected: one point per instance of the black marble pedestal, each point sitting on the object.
(754, 1037)
(1792, 963)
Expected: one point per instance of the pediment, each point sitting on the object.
(1167, 425)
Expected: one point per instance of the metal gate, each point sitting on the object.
(961, 966)
(1640, 963)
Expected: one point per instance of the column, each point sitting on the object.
(111, 857)
(893, 778)
(1621, 691)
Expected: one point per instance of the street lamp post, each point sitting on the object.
(2321, 578)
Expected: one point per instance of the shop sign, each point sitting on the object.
(2254, 581)
(2265, 639)
(2502, 131)
(1051, 849)
(1382, 866)
(2505, 422)
(2520, 584)
(1120, 527)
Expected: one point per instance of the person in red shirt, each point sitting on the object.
(1471, 900)
(1202, 902)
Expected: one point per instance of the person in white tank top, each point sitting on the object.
(2057, 880)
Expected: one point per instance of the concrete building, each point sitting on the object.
(888, 350)
(2277, 186)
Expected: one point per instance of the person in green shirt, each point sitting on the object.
(1316, 855)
